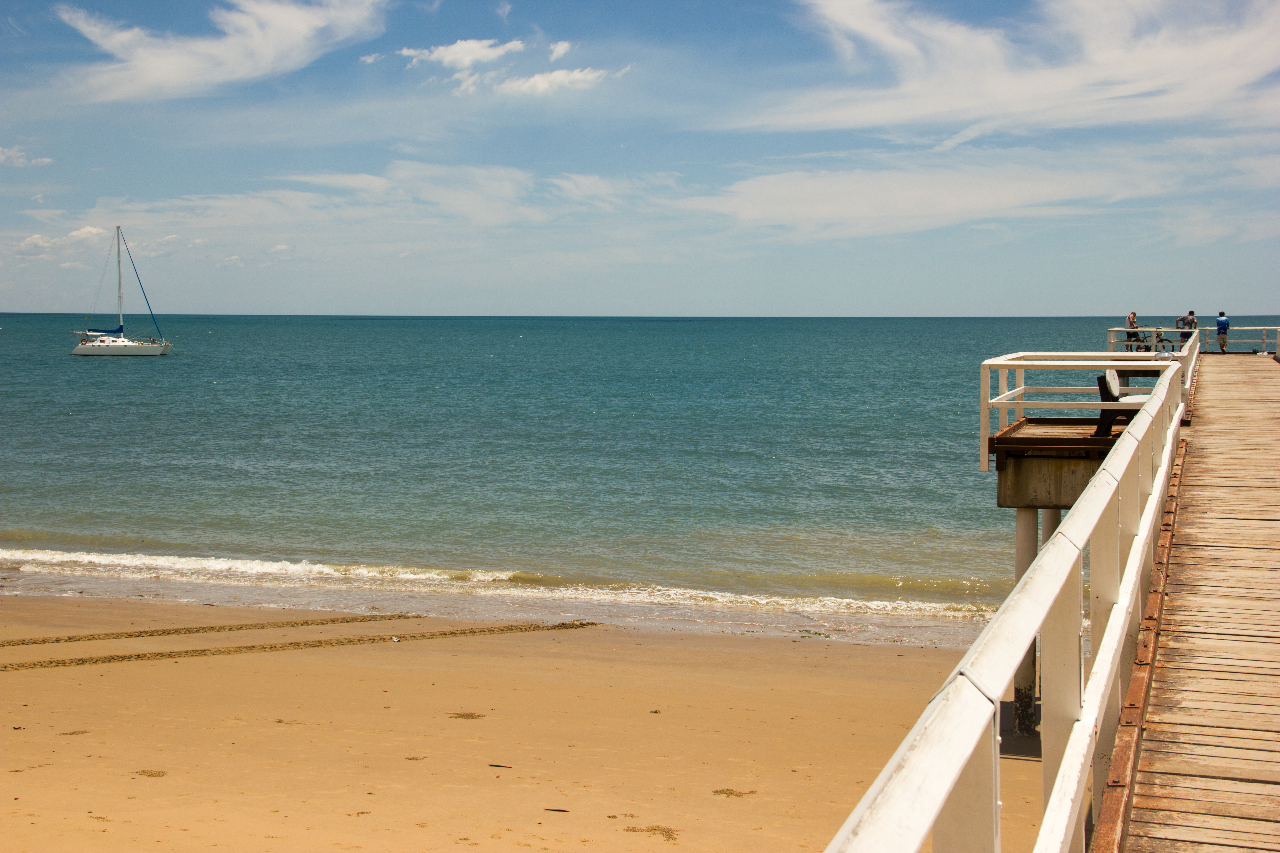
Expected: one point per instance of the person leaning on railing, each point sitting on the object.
(1224, 324)
(1188, 322)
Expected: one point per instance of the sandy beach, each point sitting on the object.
(330, 736)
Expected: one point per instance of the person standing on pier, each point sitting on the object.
(1131, 322)
(1224, 323)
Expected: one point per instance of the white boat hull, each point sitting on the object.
(120, 346)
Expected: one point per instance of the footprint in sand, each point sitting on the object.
(154, 774)
(466, 715)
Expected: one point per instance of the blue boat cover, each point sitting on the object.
(119, 331)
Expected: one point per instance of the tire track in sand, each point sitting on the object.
(205, 629)
(516, 628)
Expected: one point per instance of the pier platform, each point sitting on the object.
(1206, 775)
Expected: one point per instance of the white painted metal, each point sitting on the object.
(933, 774)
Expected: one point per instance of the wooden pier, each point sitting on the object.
(1207, 772)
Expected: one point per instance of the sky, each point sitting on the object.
(571, 157)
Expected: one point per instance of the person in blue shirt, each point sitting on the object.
(1224, 323)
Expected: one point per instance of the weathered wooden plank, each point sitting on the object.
(1260, 742)
(1141, 844)
(1244, 789)
(1181, 698)
(1218, 766)
(1220, 719)
(1155, 750)
(1163, 825)
(1263, 688)
(1148, 800)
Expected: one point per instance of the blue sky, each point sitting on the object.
(824, 157)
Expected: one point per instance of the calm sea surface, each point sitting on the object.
(752, 474)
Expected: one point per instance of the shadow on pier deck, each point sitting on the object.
(1205, 768)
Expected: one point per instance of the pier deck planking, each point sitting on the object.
(1208, 772)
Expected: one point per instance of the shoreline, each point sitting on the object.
(609, 737)
(924, 629)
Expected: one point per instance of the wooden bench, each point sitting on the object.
(1109, 391)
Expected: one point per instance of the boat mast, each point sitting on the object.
(119, 284)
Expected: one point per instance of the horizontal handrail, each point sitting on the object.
(1270, 338)
(929, 784)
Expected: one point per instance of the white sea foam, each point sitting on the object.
(511, 584)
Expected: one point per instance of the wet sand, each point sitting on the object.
(329, 736)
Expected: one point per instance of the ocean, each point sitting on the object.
(814, 476)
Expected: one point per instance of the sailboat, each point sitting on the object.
(113, 341)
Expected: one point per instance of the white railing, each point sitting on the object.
(1166, 337)
(1013, 397)
(944, 779)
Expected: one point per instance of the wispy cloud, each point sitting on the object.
(550, 81)
(17, 156)
(1085, 63)
(260, 38)
(462, 54)
(559, 49)
(475, 195)
(49, 248)
(503, 10)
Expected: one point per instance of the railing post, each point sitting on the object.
(1130, 511)
(1104, 592)
(1061, 690)
(1024, 679)
(984, 418)
(970, 819)
(1004, 387)
(1020, 378)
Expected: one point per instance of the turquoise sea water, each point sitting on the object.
(735, 471)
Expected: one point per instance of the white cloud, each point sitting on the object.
(16, 156)
(550, 81)
(559, 49)
(260, 38)
(919, 194)
(370, 58)
(503, 10)
(1087, 63)
(48, 248)
(361, 183)
(493, 195)
(462, 54)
